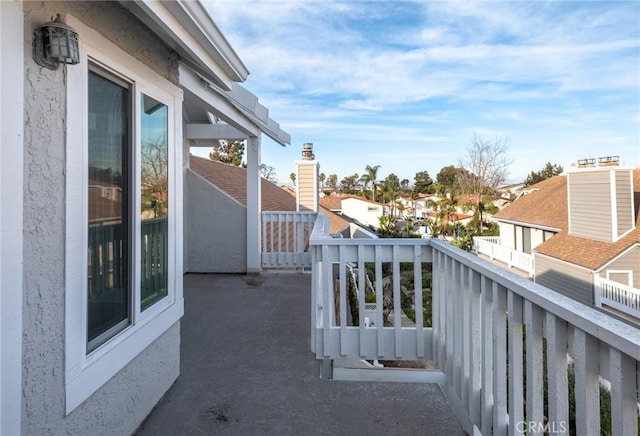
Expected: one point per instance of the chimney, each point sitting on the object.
(307, 177)
(601, 201)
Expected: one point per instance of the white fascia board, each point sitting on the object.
(179, 30)
(213, 39)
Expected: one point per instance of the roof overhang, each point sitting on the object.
(237, 107)
(525, 224)
(186, 27)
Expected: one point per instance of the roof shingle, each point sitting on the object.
(547, 207)
(233, 181)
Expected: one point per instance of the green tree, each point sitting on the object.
(229, 152)
(390, 188)
(423, 183)
(322, 177)
(349, 183)
(371, 176)
(447, 178)
(480, 209)
(332, 182)
(292, 176)
(545, 173)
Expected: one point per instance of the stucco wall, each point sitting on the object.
(215, 228)
(122, 403)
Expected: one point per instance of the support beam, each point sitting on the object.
(213, 131)
(254, 206)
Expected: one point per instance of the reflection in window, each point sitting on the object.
(155, 201)
(107, 251)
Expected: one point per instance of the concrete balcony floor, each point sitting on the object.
(247, 369)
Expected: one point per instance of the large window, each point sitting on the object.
(123, 254)
(108, 252)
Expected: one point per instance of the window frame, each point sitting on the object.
(86, 372)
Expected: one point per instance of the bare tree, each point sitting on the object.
(268, 173)
(487, 166)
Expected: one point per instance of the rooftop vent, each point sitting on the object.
(604, 161)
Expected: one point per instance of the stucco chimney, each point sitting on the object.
(307, 177)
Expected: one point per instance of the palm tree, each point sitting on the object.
(292, 176)
(322, 177)
(370, 176)
(480, 208)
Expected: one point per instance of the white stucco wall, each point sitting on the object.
(215, 229)
(359, 211)
(121, 404)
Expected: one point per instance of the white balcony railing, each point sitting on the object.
(491, 330)
(490, 246)
(616, 295)
(285, 239)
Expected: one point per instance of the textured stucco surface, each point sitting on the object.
(217, 236)
(122, 403)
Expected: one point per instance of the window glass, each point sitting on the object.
(108, 227)
(155, 201)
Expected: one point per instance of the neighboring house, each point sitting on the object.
(363, 211)
(581, 228)
(92, 166)
(217, 236)
(358, 209)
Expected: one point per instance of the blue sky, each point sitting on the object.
(405, 85)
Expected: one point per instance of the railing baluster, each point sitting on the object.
(499, 315)
(516, 391)
(379, 300)
(486, 318)
(587, 386)
(535, 391)
(418, 304)
(397, 301)
(342, 300)
(555, 330)
(457, 330)
(362, 290)
(327, 297)
(624, 410)
(475, 348)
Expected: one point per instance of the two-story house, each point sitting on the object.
(581, 232)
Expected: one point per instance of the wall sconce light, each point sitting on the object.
(55, 43)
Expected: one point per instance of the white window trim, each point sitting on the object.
(628, 272)
(85, 374)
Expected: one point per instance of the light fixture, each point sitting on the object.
(55, 43)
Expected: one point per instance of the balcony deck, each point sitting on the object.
(247, 368)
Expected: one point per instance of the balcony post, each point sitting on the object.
(254, 206)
